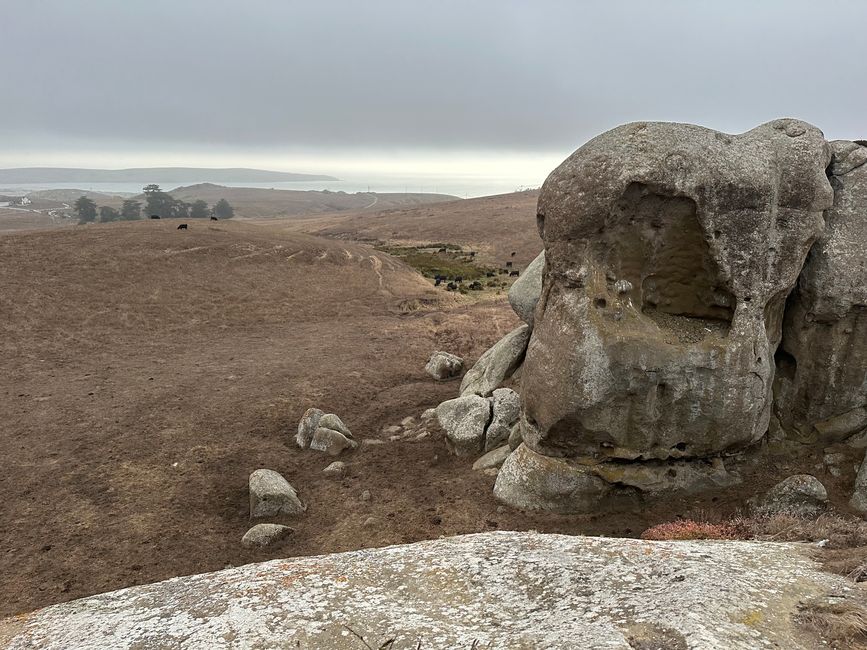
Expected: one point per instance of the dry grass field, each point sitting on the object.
(495, 226)
(147, 371)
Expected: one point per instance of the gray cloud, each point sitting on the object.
(531, 76)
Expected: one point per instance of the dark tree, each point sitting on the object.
(200, 210)
(107, 214)
(223, 210)
(158, 202)
(130, 210)
(85, 209)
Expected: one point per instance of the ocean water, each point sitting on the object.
(464, 187)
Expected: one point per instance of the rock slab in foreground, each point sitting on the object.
(499, 590)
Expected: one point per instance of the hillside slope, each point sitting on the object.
(147, 371)
(495, 226)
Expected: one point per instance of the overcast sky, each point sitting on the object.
(329, 86)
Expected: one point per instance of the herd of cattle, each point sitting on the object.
(454, 283)
(181, 226)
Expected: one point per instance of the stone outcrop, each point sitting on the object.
(307, 427)
(670, 250)
(271, 495)
(492, 590)
(496, 364)
(443, 365)
(821, 385)
(524, 293)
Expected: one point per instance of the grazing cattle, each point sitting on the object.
(475, 285)
(508, 265)
(438, 281)
(214, 219)
(472, 253)
(513, 253)
(490, 274)
(451, 286)
(459, 279)
(155, 216)
(514, 274)
(183, 226)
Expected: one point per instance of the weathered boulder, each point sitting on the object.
(331, 421)
(821, 384)
(859, 496)
(801, 495)
(262, 535)
(442, 366)
(331, 441)
(337, 468)
(496, 364)
(493, 458)
(271, 495)
(669, 252)
(491, 590)
(515, 435)
(307, 427)
(464, 419)
(525, 292)
(506, 406)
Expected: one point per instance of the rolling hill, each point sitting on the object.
(165, 175)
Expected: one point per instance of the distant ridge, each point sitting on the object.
(151, 174)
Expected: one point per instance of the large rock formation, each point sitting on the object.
(821, 386)
(493, 590)
(670, 250)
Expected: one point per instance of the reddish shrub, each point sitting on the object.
(689, 529)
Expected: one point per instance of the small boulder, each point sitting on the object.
(331, 421)
(506, 409)
(262, 535)
(497, 364)
(493, 458)
(337, 468)
(859, 497)
(464, 420)
(801, 495)
(428, 415)
(443, 365)
(307, 427)
(271, 495)
(330, 441)
(524, 294)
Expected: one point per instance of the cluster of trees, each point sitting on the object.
(157, 202)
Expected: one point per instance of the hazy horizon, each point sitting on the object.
(484, 89)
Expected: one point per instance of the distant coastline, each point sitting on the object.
(165, 175)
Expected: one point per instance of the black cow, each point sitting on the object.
(183, 226)
(155, 216)
(451, 286)
(438, 281)
(214, 219)
(475, 286)
(442, 250)
(490, 274)
(508, 265)
(472, 253)
(459, 279)
(513, 253)
(514, 274)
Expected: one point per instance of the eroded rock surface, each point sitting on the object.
(464, 419)
(669, 252)
(497, 590)
(821, 386)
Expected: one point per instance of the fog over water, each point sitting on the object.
(459, 97)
